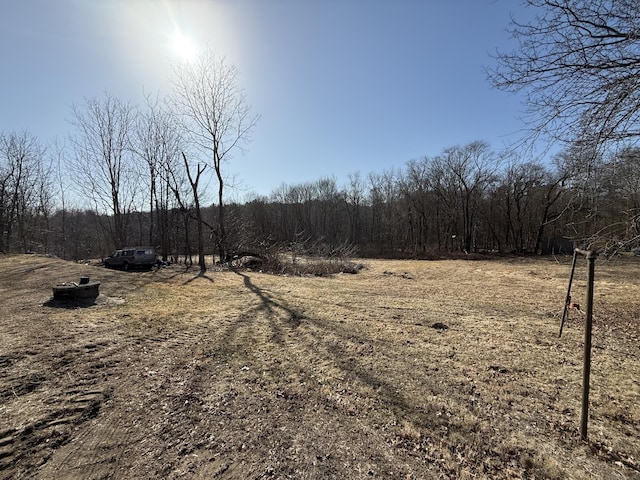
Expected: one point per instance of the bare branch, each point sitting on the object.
(578, 65)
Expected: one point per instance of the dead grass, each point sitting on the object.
(249, 375)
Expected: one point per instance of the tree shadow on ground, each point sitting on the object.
(269, 307)
(329, 338)
(268, 302)
(195, 277)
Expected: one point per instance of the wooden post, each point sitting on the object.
(586, 367)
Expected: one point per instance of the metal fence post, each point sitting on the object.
(567, 301)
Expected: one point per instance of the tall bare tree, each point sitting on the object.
(386, 225)
(58, 152)
(521, 181)
(194, 174)
(354, 194)
(578, 63)
(462, 174)
(22, 186)
(215, 115)
(103, 163)
(181, 178)
(156, 142)
(416, 186)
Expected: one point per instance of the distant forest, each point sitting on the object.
(466, 199)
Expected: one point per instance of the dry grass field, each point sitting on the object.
(247, 375)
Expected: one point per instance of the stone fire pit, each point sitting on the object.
(83, 290)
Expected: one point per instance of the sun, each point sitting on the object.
(184, 47)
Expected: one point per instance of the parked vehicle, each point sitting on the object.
(132, 258)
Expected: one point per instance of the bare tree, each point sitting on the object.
(622, 181)
(604, 205)
(60, 167)
(521, 181)
(194, 174)
(355, 197)
(461, 176)
(181, 181)
(43, 189)
(25, 194)
(578, 63)
(215, 115)
(386, 220)
(156, 142)
(416, 186)
(103, 163)
(23, 189)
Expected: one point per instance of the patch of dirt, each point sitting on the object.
(408, 369)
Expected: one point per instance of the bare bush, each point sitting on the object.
(310, 258)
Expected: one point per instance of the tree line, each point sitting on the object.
(467, 199)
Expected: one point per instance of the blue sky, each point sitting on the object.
(342, 86)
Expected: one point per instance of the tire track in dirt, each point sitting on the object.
(149, 411)
(70, 390)
(45, 434)
(97, 438)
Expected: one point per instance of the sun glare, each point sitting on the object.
(184, 47)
